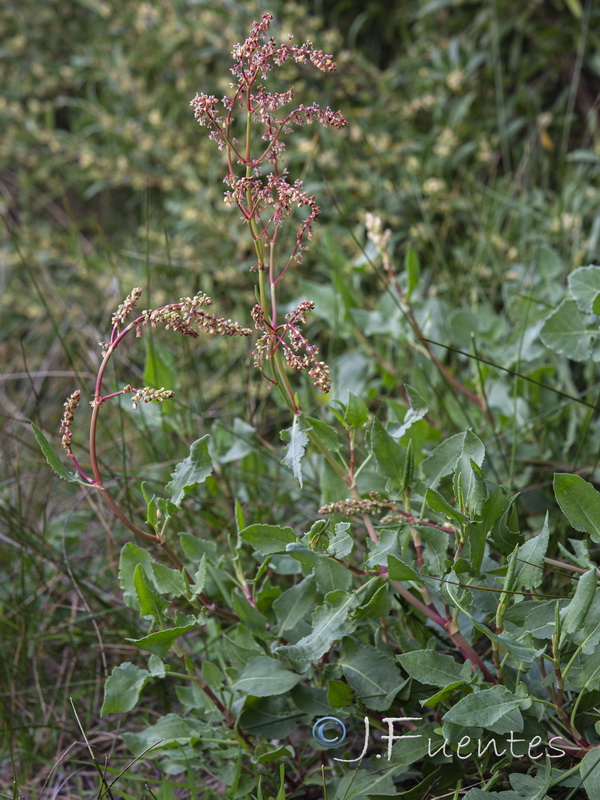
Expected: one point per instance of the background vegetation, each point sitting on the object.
(473, 134)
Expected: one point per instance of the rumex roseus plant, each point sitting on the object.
(411, 600)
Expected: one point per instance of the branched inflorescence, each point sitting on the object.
(299, 352)
(187, 317)
(260, 187)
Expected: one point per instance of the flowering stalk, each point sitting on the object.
(258, 185)
(187, 317)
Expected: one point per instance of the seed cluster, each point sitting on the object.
(126, 307)
(187, 315)
(350, 508)
(70, 406)
(148, 395)
(299, 353)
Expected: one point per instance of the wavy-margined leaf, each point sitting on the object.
(483, 709)
(584, 285)
(191, 472)
(330, 623)
(418, 409)
(268, 539)
(569, 332)
(298, 440)
(373, 675)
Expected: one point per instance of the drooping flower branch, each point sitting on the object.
(186, 317)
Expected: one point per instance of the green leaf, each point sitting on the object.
(325, 434)
(191, 472)
(584, 285)
(413, 271)
(373, 675)
(160, 642)
(342, 543)
(437, 503)
(131, 556)
(330, 623)
(418, 409)
(151, 605)
(357, 414)
(303, 554)
(589, 769)
(468, 474)
(268, 539)
(170, 729)
(399, 571)
(474, 489)
(265, 677)
(123, 687)
(195, 548)
(53, 459)
(294, 604)
(430, 667)
(575, 613)
(168, 581)
(567, 331)
(575, 8)
(387, 546)
(339, 694)
(483, 709)
(389, 455)
(443, 459)
(331, 576)
(579, 502)
(244, 442)
(530, 560)
(199, 577)
(378, 605)
(298, 440)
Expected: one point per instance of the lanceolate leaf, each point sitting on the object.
(191, 472)
(53, 459)
(160, 642)
(575, 613)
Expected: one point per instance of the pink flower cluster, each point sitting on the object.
(265, 198)
(299, 353)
